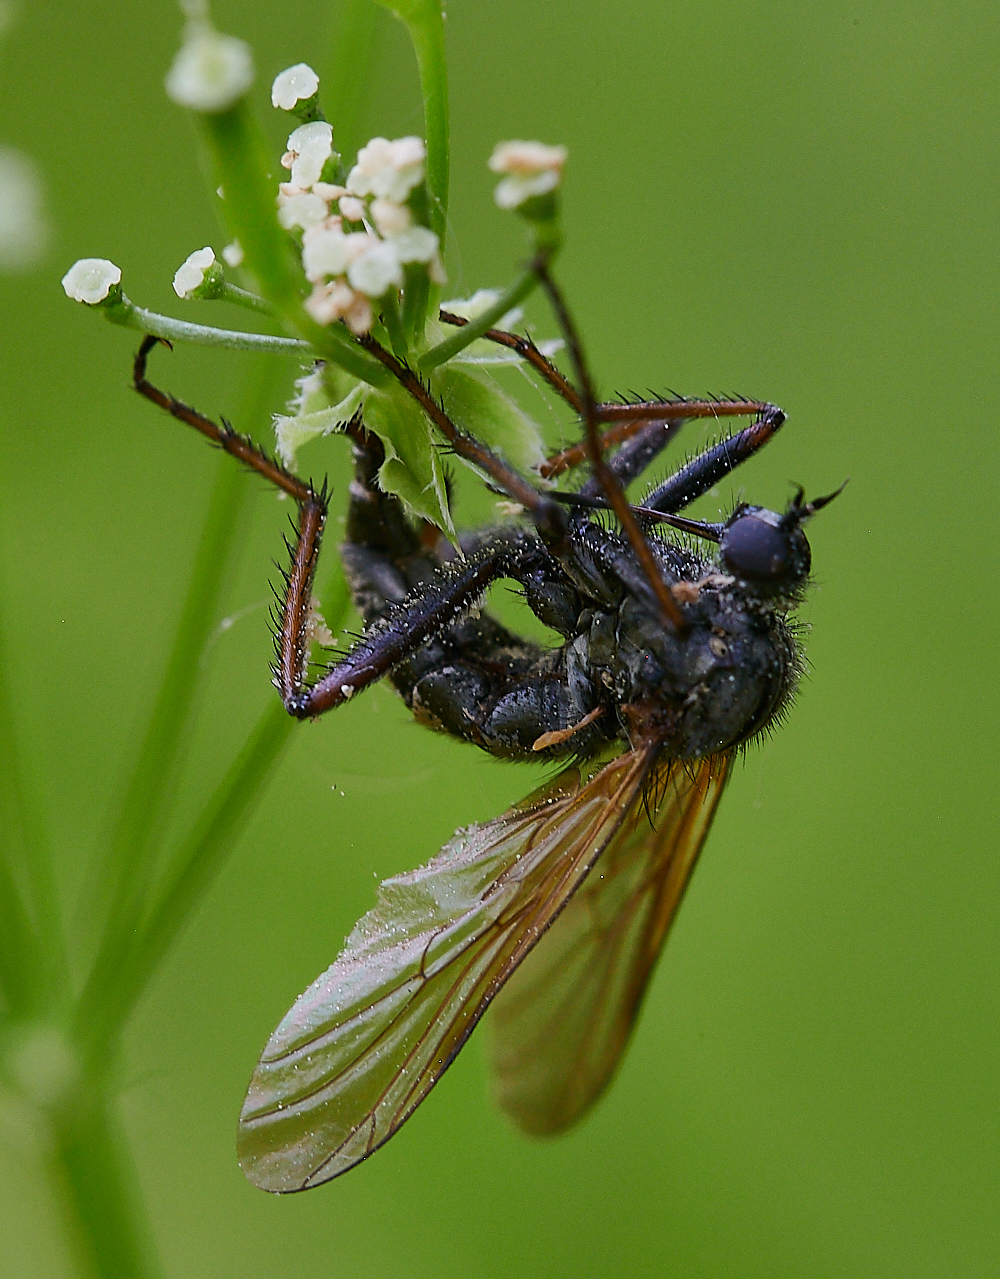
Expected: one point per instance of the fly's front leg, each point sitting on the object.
(292, 640)
(637, 454)
(709, 467)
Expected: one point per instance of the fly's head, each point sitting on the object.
(768, 553)
(723, 678)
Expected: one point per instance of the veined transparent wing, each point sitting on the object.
(362, 1047)
(559, 1027)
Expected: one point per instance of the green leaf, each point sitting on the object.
(412, 468)
(477, 405)
(291, 432)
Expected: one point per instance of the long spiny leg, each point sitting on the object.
(292, 640)
(401, 627)
(629, 420)
(653, 423)
(636, 455)
(708, 468)
(549, 518)
(690, 482)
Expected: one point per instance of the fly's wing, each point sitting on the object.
(362, 1047)
(560, 1025)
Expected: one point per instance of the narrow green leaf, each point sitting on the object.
(425, 22)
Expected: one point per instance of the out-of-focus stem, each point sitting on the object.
(95, 1180)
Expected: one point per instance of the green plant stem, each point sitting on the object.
(20, 949)
(391, 318)
(424, 21)
(346, 86)
(468, 333)
(130, 316)
(428, 44)
(32, 946)
(243, 297)
(128, 866)
(96, 1182)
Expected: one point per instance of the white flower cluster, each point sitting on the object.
(532, 169)
(351, 265)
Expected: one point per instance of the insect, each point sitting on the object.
(554, 913)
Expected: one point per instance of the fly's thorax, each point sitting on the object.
(719, 683)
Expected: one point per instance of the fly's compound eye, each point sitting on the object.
(761, 548)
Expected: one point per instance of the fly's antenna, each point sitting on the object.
(603, 473)
(798, 510)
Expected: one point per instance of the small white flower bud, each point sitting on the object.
(532, 168)
(211, 71)
(324, 253)
(417, 244)
(376, 270)
(233, 254)
(389, 217)
(352, 208)
(90, 280)
(23, 228)
(358, 317)
(332, 223)
(388, 169)
(293, 85)
(329, 302)
(328, 191)
(310, 145)
(302, 209)
(190, 275)
(526, 158)
(512, 192)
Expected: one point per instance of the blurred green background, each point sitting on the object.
(797, 202)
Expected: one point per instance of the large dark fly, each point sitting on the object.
(671, 660)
